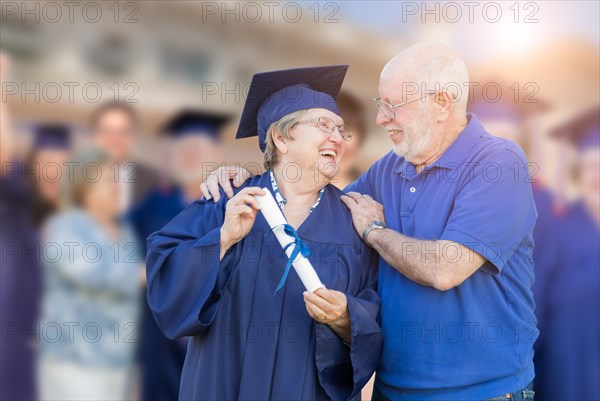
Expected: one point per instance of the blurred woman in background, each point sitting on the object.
(93, 282)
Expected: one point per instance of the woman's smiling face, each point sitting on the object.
(315, 151)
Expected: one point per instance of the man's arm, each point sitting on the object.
(440, 264)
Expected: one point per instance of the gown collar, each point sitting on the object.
(280, 199)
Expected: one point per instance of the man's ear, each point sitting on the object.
(279, 141)
(444, 102)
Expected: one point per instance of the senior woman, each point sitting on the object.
(213, 270)
(93, 280)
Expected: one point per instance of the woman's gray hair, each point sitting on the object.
(87, 165)
(283, 126)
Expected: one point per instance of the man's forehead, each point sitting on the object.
(399, 87)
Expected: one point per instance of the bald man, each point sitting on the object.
(452, 222)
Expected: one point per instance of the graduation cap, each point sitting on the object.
(53, 136)
(582, 131)
(195, 122)
(275, 94)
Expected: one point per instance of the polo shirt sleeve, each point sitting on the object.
(494, 211)
(361, 185)
(366, 183)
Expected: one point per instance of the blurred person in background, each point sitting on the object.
(191, 140)
(567, 288)
(114, 128)
(93, 280)
(20, 275)
(46, 165)
(353, 113)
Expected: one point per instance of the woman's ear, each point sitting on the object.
(279, 141)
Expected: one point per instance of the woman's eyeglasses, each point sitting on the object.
(328, 126)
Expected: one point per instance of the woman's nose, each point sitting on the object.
(335, 136)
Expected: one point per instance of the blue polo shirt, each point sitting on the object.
(474, 341)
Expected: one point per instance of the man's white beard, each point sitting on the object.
(413, 141)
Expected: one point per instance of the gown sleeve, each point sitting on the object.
(185, 277)
(344, 369)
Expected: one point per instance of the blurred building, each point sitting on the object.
(169, 59)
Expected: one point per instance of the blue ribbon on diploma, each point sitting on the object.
(299, 247)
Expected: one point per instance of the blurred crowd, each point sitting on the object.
(74, 219)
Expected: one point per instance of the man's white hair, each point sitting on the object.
(435, 67)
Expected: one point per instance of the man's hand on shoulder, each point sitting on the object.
(365, 210)
(223, 177)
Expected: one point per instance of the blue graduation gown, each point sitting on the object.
(567, 295)
(161, 359)
(248, 343)
(20, 290)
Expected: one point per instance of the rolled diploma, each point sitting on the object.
(276, 220)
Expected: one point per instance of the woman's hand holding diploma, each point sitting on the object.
(330, 307)
(240, 214)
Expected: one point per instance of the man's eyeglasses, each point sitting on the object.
(328, 126)
(389, 109)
